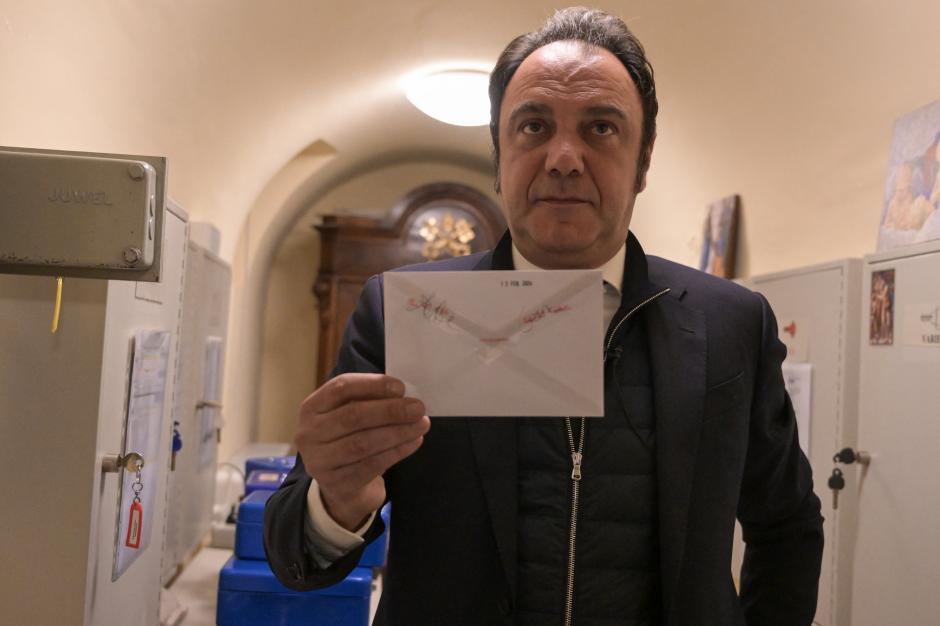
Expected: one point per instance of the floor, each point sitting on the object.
(195, 589)
(193, 593)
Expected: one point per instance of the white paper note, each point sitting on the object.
(798, 378)
(497, 343)
(144, 436)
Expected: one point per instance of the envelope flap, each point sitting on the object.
(499, 321)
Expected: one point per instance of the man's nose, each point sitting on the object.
(564, 157)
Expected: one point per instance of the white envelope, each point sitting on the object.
(499, 343)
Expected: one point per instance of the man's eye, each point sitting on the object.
(532, 128)
(603, 128)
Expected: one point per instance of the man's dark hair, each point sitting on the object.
(593, 28)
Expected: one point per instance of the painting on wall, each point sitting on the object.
(720, 237)
(881, 324)
(911, 211)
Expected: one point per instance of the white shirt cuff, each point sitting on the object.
(327, 540)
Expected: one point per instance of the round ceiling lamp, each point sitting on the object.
(458, 97)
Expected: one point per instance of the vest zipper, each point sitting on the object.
(577, 457)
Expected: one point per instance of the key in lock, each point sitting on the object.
(837, 484)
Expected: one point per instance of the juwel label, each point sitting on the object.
(67, 195)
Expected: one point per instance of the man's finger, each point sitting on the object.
(358, 475)
(363, 415)
(363, 444)
(348, 387)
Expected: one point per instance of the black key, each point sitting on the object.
(836, 483)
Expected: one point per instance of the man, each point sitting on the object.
(626, 519)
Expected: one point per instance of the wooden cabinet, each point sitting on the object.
(432, 222)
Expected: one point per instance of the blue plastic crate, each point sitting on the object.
(250, 595)
(270, 463)
(249, 542)
(264, 479)
(374, 554)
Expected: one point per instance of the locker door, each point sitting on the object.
(897, 559)
(817, 314)
(203, 320)
(203, 448)
(134, 598)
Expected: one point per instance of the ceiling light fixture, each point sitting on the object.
(458, 97)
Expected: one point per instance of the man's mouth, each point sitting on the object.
(562, 200)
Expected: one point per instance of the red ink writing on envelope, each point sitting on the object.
(433, 311)
(543, 311)
(528, 320)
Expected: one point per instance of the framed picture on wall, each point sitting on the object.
(881, 325)
(720, 237)
(911, 208)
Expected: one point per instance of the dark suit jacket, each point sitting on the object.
(726, 446)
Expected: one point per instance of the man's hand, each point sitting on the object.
(351, 430)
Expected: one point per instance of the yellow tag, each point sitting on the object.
(58, 304)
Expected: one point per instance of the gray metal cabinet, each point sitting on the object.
(203, 323)
(818, 314)
(897, 549)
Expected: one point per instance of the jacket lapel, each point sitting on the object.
(677, 344)
(494, 447)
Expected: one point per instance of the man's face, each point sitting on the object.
(569, 135)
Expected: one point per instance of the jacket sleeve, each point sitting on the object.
(779, 513)
(362, 350)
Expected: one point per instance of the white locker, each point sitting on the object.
(897, 552)
(203, 323)
(818, 316)
(63, 402)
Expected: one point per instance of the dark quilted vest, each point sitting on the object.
(617, 565)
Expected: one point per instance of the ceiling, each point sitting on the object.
(230, 90)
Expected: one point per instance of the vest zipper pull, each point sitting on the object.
(576, 469)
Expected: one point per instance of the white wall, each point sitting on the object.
(790, 105)
(262, 108)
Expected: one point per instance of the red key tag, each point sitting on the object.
(134, 525)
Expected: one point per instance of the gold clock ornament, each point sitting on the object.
(447, 236)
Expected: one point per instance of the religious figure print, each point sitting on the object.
(881, 324)
(911, 212)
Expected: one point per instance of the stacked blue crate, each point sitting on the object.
(249, 593)
(270, 463)
(248, 531)
(265, 480)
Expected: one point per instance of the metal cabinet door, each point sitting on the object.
(897, 555)
(818, 307)
(203, 319)
(134, 598)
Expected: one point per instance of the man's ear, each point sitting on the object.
(644, 165)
